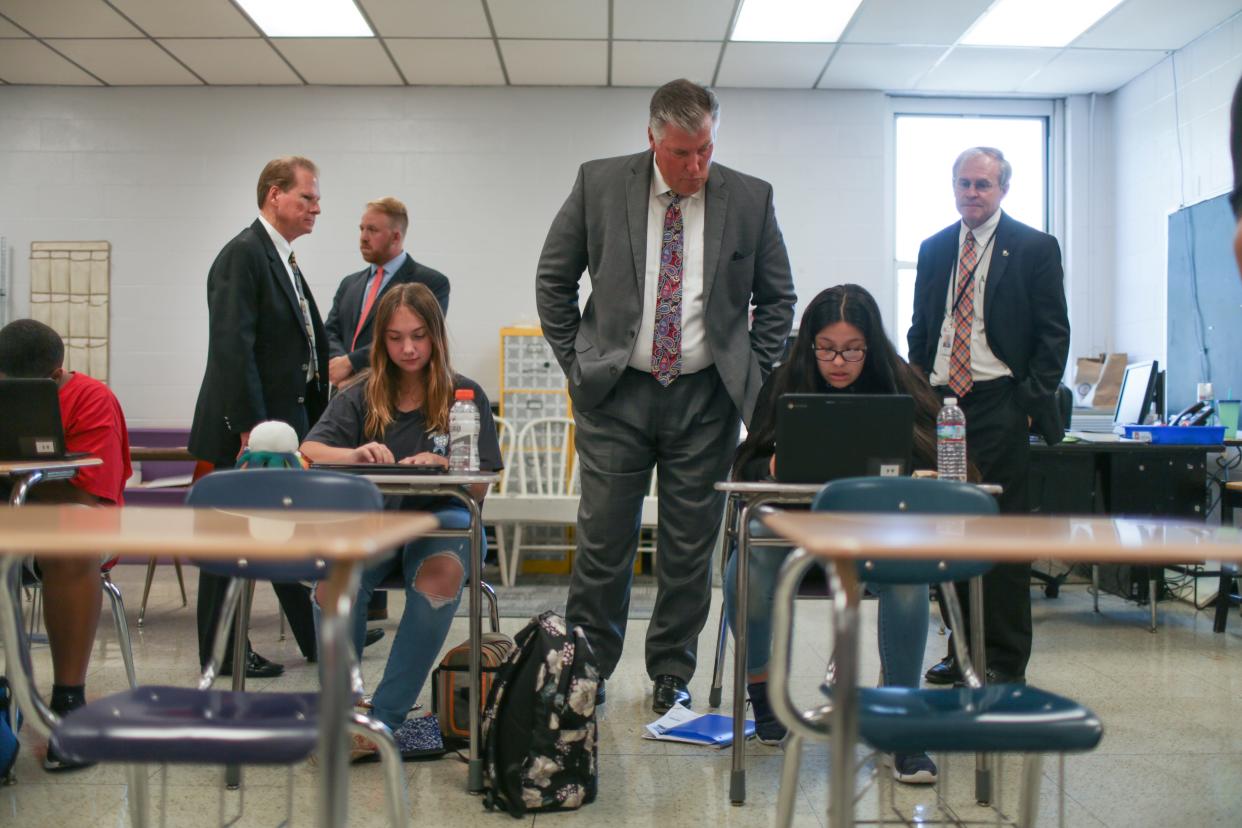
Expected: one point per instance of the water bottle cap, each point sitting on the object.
(464, 394)
(950, 400)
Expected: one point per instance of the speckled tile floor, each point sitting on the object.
(1171, 705)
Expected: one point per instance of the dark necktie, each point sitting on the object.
(666, 343)
(312, 364)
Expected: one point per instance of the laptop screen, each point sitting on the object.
(30, 411)
(822, 437)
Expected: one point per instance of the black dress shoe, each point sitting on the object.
(599, 693)
(256, 667)
(1001, 677)
(668, 691)
(944, 671)
(374, 634)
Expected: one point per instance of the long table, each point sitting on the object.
(343, 539)
(845, 539)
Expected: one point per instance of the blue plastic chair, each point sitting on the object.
(204, 726)
(971, 719)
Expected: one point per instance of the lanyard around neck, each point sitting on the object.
(970, 274)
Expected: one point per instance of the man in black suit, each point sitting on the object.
(990, 328)
(267, 359)
(349, 326)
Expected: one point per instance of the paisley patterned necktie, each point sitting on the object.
(666, 343)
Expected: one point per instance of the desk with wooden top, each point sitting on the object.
(27, 473)
(343, 539)
(848, 538)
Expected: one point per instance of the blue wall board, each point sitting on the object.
(1204, 304)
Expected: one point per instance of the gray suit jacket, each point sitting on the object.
(602, 229)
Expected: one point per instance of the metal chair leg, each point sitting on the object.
(146, 592)
(1032, 766)
(493, 608)
(180, 581)
(502, 557)
(390, 760)
(790, 766)
(718, 668)
(117, 604)
(139, 810)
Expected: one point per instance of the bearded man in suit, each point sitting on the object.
(691, 303)
(990, 328)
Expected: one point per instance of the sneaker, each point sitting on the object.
(53, 762)
(914, 768)
(768, 729)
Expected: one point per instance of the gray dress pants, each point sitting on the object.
(687, 432)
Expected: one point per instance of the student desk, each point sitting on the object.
(845, 539)
(457, 487)
(743, 503)
(345, 539)
(26, 473)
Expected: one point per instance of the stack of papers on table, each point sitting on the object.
(680, 724)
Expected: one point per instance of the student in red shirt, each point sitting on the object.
(93, 423)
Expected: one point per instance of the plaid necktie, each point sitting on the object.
(960, 379)
(312, 364)
(366, 306)
(666, 343)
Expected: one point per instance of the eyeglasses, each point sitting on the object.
(829, 354)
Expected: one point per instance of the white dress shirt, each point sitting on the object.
(984, 365)
(695, 352)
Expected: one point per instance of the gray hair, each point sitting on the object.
(684, 104)
(1006, 169)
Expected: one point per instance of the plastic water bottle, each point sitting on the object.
(951, 441)
(464, 433)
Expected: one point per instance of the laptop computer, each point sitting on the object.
(822, 437)
(383, 468)
(30, 412)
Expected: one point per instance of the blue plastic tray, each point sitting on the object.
(1178, 435)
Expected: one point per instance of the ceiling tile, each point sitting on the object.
(427, 18)
(350, 61)
(550, 18)
(637, 63)
(200, 18)
(773, 65)
(1082, 71)
(556, 62)
(29, 61)
(448, 61)
(126, 62)
(246, 62)
(1156, 24)
(662, 20)
(67, 18)
(7, 29)
(879, 67)
(913, 21)
(984, 69)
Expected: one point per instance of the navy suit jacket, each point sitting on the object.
(1024, 313)
(347, 306)
(257, 350)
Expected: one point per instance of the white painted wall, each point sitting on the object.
(168, 175)
(1170, 145)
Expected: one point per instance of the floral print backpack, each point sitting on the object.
(539, 734)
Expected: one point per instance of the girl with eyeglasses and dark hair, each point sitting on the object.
(841, 348)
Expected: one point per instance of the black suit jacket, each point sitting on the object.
(257, 350)
(1024, 314)
(347, 305)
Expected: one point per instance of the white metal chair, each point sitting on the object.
(508, 439)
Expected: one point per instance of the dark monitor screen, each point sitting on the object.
(1138, 391)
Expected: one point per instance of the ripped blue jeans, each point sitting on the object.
(903, 618)
(424, 623)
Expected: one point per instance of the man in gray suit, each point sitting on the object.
(661, 364)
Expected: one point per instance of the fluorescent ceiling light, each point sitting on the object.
(1053, 23)
(307, 18)
(794, 21)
